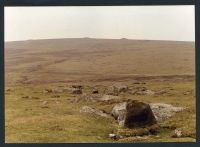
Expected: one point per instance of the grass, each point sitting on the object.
(27, 121)
(32, 66)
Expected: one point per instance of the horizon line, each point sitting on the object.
(123, 38)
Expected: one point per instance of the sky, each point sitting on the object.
(131, 22)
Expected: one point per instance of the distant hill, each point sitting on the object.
(87, 58)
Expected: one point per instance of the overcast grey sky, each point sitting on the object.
(132, 22)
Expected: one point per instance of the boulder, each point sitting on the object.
(138, 114)
(163, 111)
(87, 109)
(133, 114)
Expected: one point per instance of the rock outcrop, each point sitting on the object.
(163, 111)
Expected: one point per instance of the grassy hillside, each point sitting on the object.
(34, 65)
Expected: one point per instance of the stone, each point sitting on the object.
(87, 109)
(163, 111)
(44, 104)
(77, 86)
(25, 97)
(133, 113)
(88, 98)
(115, 136)
(35, 97)
(8, 89)
(138, 82)
(121, 88)
(117, 108)
(112, 91)
(30, 97)
(95, 91)
(116, 89)
(107, 98)
(177, 134)
(141, 91)
(47, 91)
(57, 90)
(55, 96)
(138, 114)
(76, 91)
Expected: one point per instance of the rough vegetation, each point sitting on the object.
(93, 90)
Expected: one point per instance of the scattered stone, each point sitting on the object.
(163, 111)
(112, 90)
(177, 134)
(107, 98)
(121, 88)
(142, 91)
(115, 136)
(8, 89)
(95, 91)
(57, 90)
(60, 86)
(126, 132)
(55, 96)
(30, 97)
(77, 86)
(161, 92)
(138, 82)
(87, 109)
(170, 127)
(34, 97)
(87, 98)
(57, 102)
(149, 92)
(187, 92)
(56, 128)
(47, 91)
(116, 89)
(139, 137)
(25, 97)
(44, 104)
(76, 91)
(117, 108)
(133, 114)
